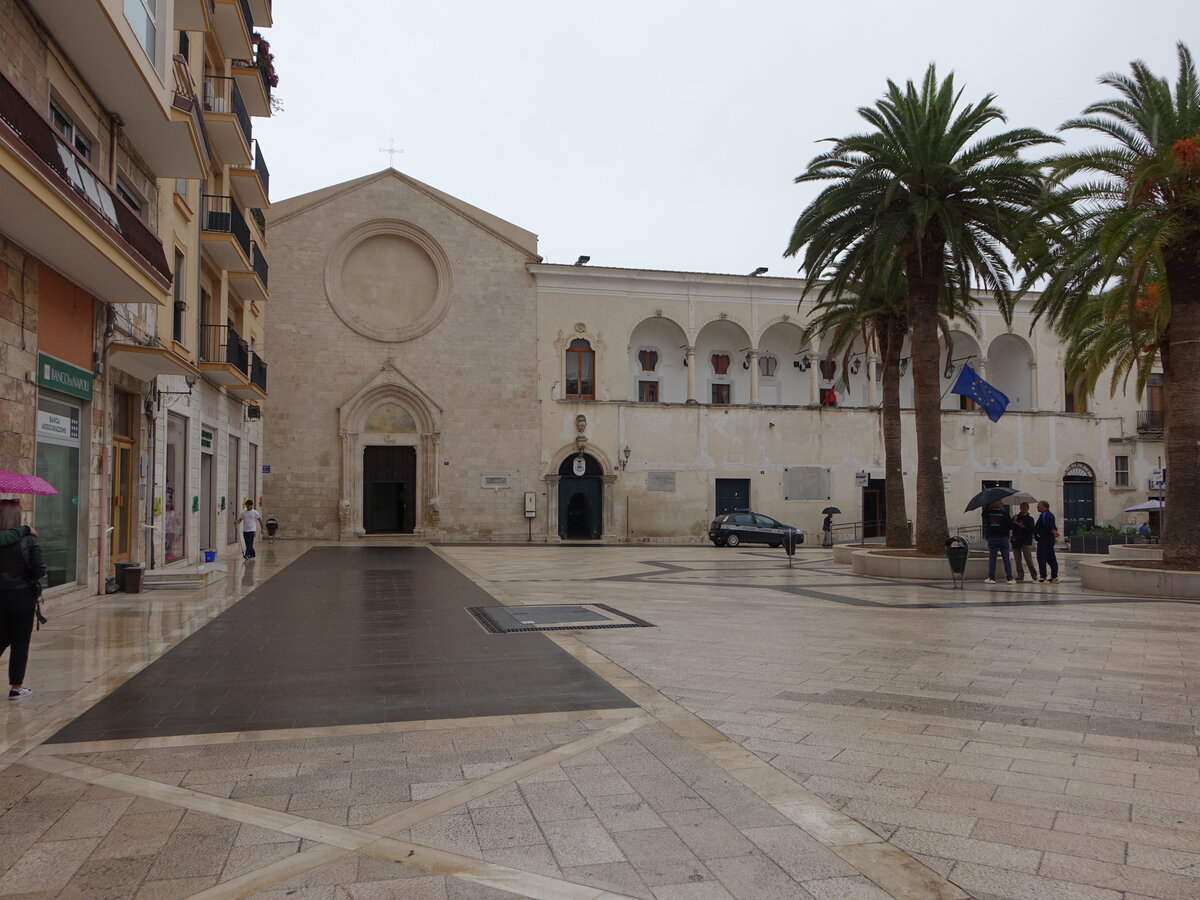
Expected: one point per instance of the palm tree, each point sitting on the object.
(877, 320)
(925, 192)
(1134, 222)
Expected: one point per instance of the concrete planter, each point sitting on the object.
(923, 568)
(1097, 575)
(1134, 551)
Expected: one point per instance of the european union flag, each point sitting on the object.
(990, 400)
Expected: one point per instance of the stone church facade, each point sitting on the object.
(433, 376)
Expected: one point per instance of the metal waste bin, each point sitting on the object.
(957, 552)
(272, 524)
(789, 544)
(133, 579)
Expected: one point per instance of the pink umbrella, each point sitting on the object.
(16, 483)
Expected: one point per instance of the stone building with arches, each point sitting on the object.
(437, 378)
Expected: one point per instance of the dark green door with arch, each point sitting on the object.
(580, 500)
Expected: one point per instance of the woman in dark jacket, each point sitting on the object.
(20, 566)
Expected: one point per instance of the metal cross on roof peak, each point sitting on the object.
(391, 151)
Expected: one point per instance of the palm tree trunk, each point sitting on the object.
(925, 277)
(892, 340)
(1181, 380)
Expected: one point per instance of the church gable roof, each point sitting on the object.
(525, 241)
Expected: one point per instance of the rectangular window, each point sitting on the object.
(1121, 471)
(130, 196)
(141, 16)
(66, 126)
(647, 391)
(721, 394)
(180, 316)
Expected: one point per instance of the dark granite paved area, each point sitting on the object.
(346, 635)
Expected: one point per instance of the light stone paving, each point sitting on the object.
(801, 733)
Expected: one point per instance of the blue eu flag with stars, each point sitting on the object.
(986, 397)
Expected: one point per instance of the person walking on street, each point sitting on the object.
(1022, 542)
(827, 531)
(997, 525)
(1045, 533)
(21, 568)
(250, 517)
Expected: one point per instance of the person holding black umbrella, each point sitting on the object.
(997, 526)
(827, 526)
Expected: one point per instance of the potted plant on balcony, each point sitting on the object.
(265, 59)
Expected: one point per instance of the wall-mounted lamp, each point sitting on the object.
(904, 365)
(761, 270)
(854, 365)
(803, 363)
(770, 424)
(625, 453)
(190, 380)
(685, 362)
(583, 260)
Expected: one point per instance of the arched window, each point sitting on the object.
(581, 368)
(720, 363)
(767, 366)
(648, 359)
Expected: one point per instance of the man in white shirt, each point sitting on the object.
(250, 517)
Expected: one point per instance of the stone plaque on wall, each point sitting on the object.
(806, 483)
(660, 481)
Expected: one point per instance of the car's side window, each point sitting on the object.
(742, 519)
(765, 522)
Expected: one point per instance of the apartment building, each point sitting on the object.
(133, 274)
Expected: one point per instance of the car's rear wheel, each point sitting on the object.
(732, 541)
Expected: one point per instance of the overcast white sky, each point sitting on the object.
(660, 133)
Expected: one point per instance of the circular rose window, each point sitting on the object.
(388, 280)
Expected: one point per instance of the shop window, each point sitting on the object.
(581, 367)
(720, 363)
(647, 391)
(56, 517)
(648, 360)
(721, 394)
(767, 366)
(1121, 471)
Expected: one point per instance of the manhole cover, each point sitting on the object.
(503, 619)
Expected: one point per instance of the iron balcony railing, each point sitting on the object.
(220, 343)
(247, 16)
(220, 213)
(221, 95)
(1150, 421)
(260, 264)
(258, 372)
(260, 166)
(39, 136)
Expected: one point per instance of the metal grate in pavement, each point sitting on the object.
(506, 619)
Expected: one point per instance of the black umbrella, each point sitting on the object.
(831, 511)
(989, 496)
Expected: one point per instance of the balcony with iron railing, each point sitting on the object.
(252, 285)
(94, 246)
(225, 234)
(224, 356)
(252, 183)
(228, 120)
(258, 372)
(1151, 421)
